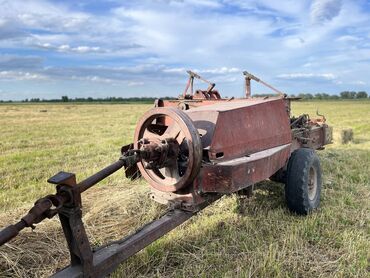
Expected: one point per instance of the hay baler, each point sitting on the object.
(192, 151)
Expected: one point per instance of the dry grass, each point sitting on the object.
(254, 237)
(106, 217)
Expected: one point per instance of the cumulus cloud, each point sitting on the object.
(43, 15)
(149, 45)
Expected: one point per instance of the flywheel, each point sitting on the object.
(167, 126)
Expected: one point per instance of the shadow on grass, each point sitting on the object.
(230, 227)
(267, 195)
(213, 243)
(235, 228)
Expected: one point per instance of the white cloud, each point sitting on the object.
(271, 7)
(43, 15)
(202, 3)
(135, 83)
(323, 76)
(324, 10)
(358, 82)
(69, 49)
(152, 43)
(78, 49)
(95, 78)
(222, 70)
(348, 38)
(21, 76)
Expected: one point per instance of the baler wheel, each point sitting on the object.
(163, 123)
(303, 181)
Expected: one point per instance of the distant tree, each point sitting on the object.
(318, 96)
(305, 96)
(352, 94)
(309, 96)
(348, 94)
(325, 96)
(361, 94)
(65, 98)
(345, 94)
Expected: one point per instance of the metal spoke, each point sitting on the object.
(149, 134)
(172, 131)
(180, 137)
(172, 172)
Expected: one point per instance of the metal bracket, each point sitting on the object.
(70, 216)
(77, 240)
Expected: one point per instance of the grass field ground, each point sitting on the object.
(256, 237)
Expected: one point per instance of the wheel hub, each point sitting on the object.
(312, 183)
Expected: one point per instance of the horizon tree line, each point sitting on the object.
(323, 96)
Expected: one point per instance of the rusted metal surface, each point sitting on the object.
(107, 258)
(239, 173)
(191, 151)
(94, 179)
(248, 92)
(183, 131)
(207, 94)
(131, 170)
(42, 209)
(240, 128)
(249, 77)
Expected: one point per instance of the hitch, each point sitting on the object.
(68, 195)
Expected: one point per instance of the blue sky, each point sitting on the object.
(142, 48)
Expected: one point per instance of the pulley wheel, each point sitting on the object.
(164, 123)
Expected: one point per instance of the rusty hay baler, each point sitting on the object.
(191, 151)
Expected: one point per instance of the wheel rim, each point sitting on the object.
(174, 177)
(312, 183)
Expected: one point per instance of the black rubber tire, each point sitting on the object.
(301, 193)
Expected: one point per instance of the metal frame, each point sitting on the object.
(105, 259)
(248, 155)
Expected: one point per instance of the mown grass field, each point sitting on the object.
(255, 237)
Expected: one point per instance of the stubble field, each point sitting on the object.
(255, 237)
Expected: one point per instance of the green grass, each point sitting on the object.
(234, 237)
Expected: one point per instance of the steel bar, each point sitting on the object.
(251, 76)
(11, 231)
(107, 258)
(102, 174)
